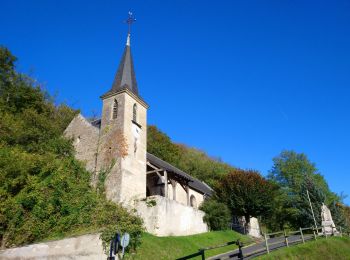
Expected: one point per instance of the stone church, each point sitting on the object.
(114, 150)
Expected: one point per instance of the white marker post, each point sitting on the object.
(124, 242)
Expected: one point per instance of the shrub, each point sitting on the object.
(217, 215)
(44, 191)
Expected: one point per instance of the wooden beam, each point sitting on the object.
(156, 170)
(151, 165)
(160, 176)
(183, 186)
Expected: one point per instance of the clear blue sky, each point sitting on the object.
(241, 80)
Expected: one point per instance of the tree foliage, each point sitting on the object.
(246, 193)
(283, 204)
(317, 198)
(44, 191)
(290, 170)
(193, 161)
(160, 145)
(338, 211)
(217, 214)
(346, 214)
(295, 174)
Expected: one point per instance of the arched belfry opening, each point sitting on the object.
(115, 109)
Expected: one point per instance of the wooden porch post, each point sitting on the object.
(173, 184)
(188, 195)
(165, 184)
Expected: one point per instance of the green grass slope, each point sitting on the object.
(331, 248)
(153, 247)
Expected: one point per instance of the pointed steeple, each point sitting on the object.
(125, 77)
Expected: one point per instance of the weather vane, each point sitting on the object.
(130, 21)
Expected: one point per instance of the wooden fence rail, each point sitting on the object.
(315, 231)
(282, 238)
(201, 251)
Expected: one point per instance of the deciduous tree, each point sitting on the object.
(295, 174)
(247, 193)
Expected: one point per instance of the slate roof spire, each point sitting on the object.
(125, 76)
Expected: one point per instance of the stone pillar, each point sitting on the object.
(173, 184)
(165, 184)
(188, 195)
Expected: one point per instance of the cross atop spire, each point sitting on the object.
(125, 77)
(131, 19)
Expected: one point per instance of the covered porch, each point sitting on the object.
(163, 179)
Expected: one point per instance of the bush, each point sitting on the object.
(52, 198)
(217, 215)
(44, 191)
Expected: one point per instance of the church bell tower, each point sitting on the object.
(122, 147)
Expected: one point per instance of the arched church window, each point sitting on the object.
(134, 114)
(115, 109)
(193, 201)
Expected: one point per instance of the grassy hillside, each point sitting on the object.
(44, 191)
(191, 160)
(331, 248)
(153, 247)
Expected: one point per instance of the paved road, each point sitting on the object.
(260, 249)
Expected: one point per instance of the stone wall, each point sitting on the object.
(154, 187)
(79, 248)
(164, 217)
(127, 179)
(181, 195)
(133, 166)
(85, 140)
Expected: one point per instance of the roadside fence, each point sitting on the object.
(304, 235)
(201, 252)
(273, 241)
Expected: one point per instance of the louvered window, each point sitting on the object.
(115, 109)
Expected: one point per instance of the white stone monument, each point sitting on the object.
(254, 228)
(328, 226)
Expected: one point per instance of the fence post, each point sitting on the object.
(302, 235)
(286, 238)
(202, 253)
(341, 232)
(314, 233)
(266, 244)
(240, 252)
